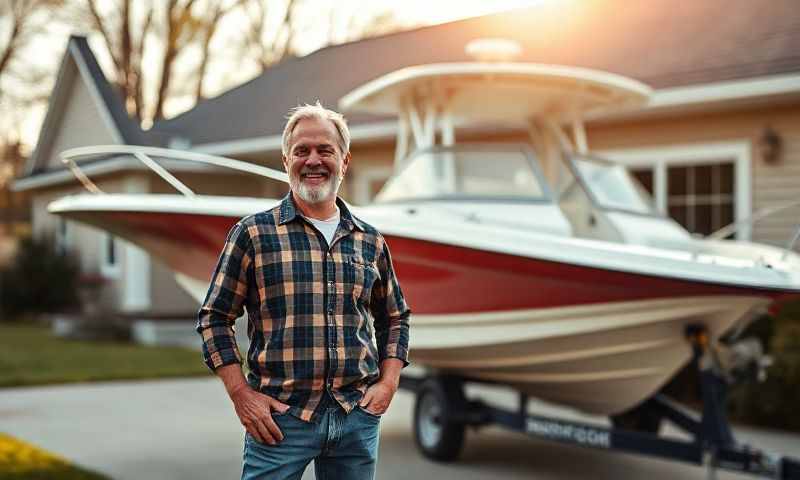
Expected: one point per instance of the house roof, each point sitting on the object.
(80, 64)
(660, 42)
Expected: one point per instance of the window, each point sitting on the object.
(611, 186)
(62, 236)
(700, 197)
(109, 256)
(468, 171)
(704, 187)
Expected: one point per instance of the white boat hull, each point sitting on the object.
(601, 359)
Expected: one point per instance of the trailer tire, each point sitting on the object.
(438, 433)
(638, 419)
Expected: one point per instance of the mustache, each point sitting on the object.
(311, 171)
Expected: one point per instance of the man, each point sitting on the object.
(327, 322)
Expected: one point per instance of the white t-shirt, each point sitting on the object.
(327, 227)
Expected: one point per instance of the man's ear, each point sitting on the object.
(346, 162)
(285, 163)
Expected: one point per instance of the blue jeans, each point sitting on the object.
(343, 447)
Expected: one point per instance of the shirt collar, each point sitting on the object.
(288, 212)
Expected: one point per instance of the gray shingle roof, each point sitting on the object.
(661, 42)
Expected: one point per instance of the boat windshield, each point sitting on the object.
(468, 171)
(612, 186)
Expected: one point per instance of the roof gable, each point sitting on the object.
(79, 72)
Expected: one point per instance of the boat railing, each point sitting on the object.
(760, 215)
(146, 155)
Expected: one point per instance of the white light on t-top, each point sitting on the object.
(493, 49)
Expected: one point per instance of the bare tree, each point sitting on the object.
(23, 86)
(20, 22)
(272, 28)
(144, 37)
(269, 45)
(210, 29)
(146, 41)
(18, 18)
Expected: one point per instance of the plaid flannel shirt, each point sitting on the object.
(319, 317)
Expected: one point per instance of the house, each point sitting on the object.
(719, 140)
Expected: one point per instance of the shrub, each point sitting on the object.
(38, 280)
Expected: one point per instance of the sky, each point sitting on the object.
(407, 13)
(438, 11)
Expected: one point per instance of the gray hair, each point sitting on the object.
(316, 111)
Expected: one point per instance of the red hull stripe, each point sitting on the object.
(439, 279)
(445, 279)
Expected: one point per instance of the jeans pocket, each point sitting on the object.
(250, 440)
(368, 413)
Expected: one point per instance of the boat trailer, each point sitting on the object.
(442, 412)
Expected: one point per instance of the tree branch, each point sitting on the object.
(100, 26)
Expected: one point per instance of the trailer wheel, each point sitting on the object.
(437, 433)
(638, 419)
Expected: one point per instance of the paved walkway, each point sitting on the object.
(186, 429)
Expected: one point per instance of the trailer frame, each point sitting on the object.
(442, 412)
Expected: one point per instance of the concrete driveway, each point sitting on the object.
(186, 429)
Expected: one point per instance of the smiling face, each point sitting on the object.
(315, 164)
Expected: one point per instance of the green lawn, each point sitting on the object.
(30, 355)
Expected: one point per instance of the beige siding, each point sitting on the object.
(81, 124)
(83, 241)
(167, 298)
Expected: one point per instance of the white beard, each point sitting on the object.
(316, 194)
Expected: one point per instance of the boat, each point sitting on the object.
(537, 265)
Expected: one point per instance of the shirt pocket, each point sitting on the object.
(360, 276)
